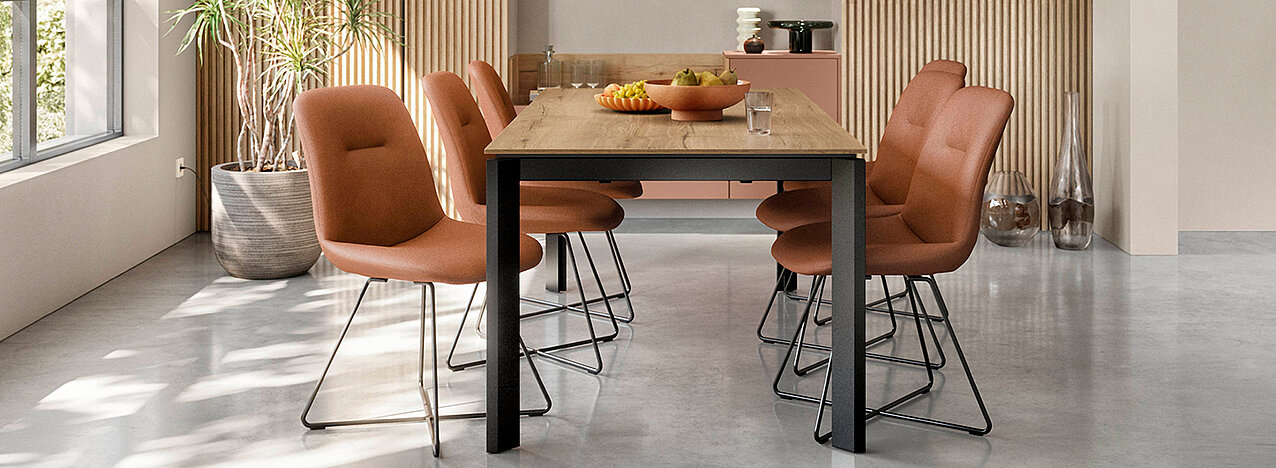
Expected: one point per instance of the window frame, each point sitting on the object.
(25, 148)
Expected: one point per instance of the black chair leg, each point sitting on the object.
(547, 351)
(625, 284)
(430, 404)
(785, 276)
(919, 308)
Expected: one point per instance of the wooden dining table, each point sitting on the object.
(565, 135)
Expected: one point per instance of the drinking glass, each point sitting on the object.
(579, 72)
(595, 76)
(757, 106)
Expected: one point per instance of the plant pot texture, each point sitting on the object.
(263, 226)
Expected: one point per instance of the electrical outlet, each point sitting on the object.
(181, 162)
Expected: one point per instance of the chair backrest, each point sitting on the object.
(943, 200)
(464, 137)
(910, 120)
(946, 66)
(370, 181)
(493, 100)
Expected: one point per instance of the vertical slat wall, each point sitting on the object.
(448, 35)
(1035, 50)
(217, 122)
(437, 35)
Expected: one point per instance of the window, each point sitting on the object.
(60, 77)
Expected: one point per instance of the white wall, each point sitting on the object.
(1227, 115)
(73, 222)
(658, 26)
(1136, 135)
(1110, 156)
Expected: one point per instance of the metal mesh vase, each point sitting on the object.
(1011, 214)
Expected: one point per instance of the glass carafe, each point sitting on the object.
(1071, 193)
(550, 71)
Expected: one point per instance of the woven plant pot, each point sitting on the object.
(263, 226)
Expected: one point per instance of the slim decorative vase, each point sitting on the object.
(746, 24)
(1011, 213)
(1071, 193)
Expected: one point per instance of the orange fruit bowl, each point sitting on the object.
(696, 103)
(627, 105)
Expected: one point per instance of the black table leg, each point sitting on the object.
(791, 284)
(503, 304)
(848, 285)
(555, 263)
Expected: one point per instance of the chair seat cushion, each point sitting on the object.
(788, 210)
(452, 252)
(547, 209)
(891, 247)
(619, 189)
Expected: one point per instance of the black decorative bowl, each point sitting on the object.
(800, 32)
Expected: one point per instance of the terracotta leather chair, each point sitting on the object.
(897, 153)
(886, 186)
(934, 233)
(377, 215)
(498, 111)
(543, 210)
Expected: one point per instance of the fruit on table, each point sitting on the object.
(685, 77)
(728, 77)
(635, 90)
(707, 78)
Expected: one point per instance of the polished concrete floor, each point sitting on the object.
(1084, 358)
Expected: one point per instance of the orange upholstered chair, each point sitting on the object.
(543, 210)
(887, 183)
(377, 215)
(498, 111)
(888, 180)
(934, 233)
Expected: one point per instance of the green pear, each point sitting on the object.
(707, 78)
(685, 77)
(728, 77)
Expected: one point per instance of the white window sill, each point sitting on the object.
(37, 169)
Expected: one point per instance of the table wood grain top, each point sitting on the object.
(568, 121)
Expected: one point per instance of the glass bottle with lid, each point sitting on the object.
(550, 71)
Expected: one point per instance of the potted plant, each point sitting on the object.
(262, 223)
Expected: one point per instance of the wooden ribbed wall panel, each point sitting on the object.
(1035, 50)
(448, 35)
(436, 35)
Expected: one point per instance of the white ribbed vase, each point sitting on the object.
(263, 225)
(747, 24)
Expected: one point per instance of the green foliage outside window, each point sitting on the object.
(50, 72)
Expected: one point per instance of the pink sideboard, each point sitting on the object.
(818, 74)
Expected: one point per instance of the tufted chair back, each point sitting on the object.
(947, 186)
(905, 132)
(465, 136)
(370, 181)
(493, 99)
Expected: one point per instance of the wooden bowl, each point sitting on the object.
(627, 104)
(696, 103)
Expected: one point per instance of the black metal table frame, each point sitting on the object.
(846, 171)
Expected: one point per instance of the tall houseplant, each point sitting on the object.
(262, 222)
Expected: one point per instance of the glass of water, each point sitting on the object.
(757, 105)
(595, 74)
(579, 71)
